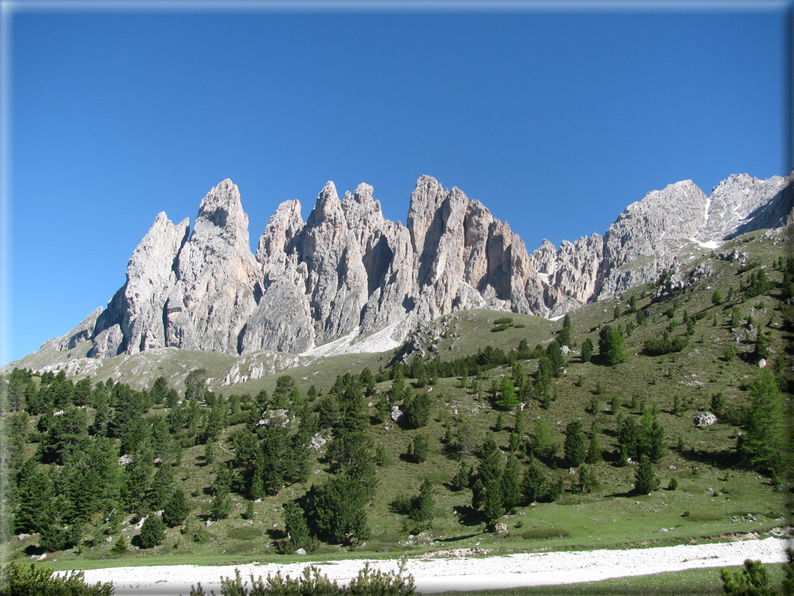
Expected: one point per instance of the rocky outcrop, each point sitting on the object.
(654, 234)
(349, 275)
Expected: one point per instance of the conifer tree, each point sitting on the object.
(765, 442)
(564, 338)
(423, 505)
(610, 346)
(152, 532)
(587, 350)
(533, 485)
(645, 480)
(594, 453)
(575, 446)
(511, 486)
(176, 509)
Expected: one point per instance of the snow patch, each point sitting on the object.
(711, 244)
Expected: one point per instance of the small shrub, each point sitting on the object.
(152, 532)
(22, 579)
(751, 580)
(120, 546)
(545, 533)
(244, 533)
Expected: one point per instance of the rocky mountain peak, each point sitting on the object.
(282, 228)
(221, 215)
(348, 275)
(327, 207)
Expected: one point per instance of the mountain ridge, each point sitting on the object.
(347, 274)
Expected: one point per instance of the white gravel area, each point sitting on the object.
(463, 572)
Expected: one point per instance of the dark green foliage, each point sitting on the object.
(587, 350)
(628, 439)
(59, 530)
(493, 506)
(594, 452)
(575, 446)
(543, 379)
(511, 485)
(159, 390)
(120, 546)
(556, 358)
(297, 530)
(588, 482)
(195, 383)
(335, 510)
(542, 444)
(162, 487)
(610, 346)
(419, 449)
(221, 505)
(417, 410)
(751, 580)
(534, 487)
(176, 509)
(645, 480)
(564, 338)
(152, 532)
(788, 569)
(761, 349)
(508, 399)
(423, 505)
(18, 579)
(461, 478)
(665, 345)
(765, 441)
(758, 283)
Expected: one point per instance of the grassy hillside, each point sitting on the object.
(720, 494)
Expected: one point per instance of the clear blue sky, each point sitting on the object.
(555, 120)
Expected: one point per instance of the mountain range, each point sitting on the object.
(347, 279)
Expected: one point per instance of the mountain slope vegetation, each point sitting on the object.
(483, 431)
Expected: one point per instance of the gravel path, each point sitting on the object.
(464, 572)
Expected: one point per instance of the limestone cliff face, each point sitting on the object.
(347, 272)
(656, 234)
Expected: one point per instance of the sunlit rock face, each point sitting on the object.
(347, 273)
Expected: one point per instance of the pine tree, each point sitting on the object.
(162, 487)
(556, 358)
(645, 480)
(587, 479)
(594, 452)
(152, 532)
(423, 505)
(176, 509)
(610, 346)
(493, 506)
(765, 442)
(419, 448)
(511, 487)
(508, 399)
(575, 447)
(564, 338)
(297, 528)
(587, 350)
(461, 478)
(534, 486)
(542, 440)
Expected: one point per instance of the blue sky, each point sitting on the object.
(555, 119)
